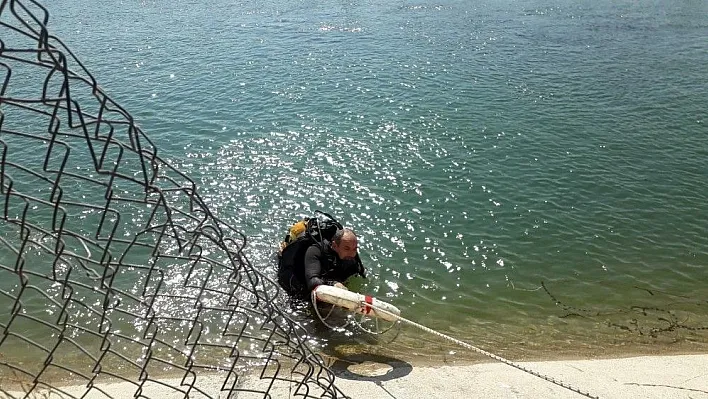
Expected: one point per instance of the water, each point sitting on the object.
(528, 177)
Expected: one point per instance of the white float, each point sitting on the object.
(355, 302)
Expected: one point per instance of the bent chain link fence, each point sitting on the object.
(116, 280)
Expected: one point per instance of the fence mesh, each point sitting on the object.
(116, 280)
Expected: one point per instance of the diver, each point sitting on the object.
(317, 251)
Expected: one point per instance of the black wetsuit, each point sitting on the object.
(314, 266)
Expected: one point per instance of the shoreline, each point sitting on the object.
(379, 376)
(437, 352)
(680, 376)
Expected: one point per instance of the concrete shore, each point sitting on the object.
(654, 377)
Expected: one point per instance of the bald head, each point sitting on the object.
(343, 234)
(345, 244)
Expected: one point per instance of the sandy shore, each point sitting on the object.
(684, 376)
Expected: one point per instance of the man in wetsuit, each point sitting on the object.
(329, 262)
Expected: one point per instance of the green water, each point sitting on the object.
(480, 150)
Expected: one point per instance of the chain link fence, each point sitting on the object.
(116, 280)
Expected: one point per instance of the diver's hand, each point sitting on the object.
(340, 285)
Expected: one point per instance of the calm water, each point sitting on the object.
(480, 149)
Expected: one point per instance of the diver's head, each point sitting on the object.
(345, 244)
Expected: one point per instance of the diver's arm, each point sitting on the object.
(315, 262)
(314, 270)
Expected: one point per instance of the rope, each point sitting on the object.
(322, 319)
(355, 322)
(485, 353)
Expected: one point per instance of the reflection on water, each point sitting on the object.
(496, 149)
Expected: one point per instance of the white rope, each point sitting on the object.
(483, 352)
(356, 322)
(323, 319)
